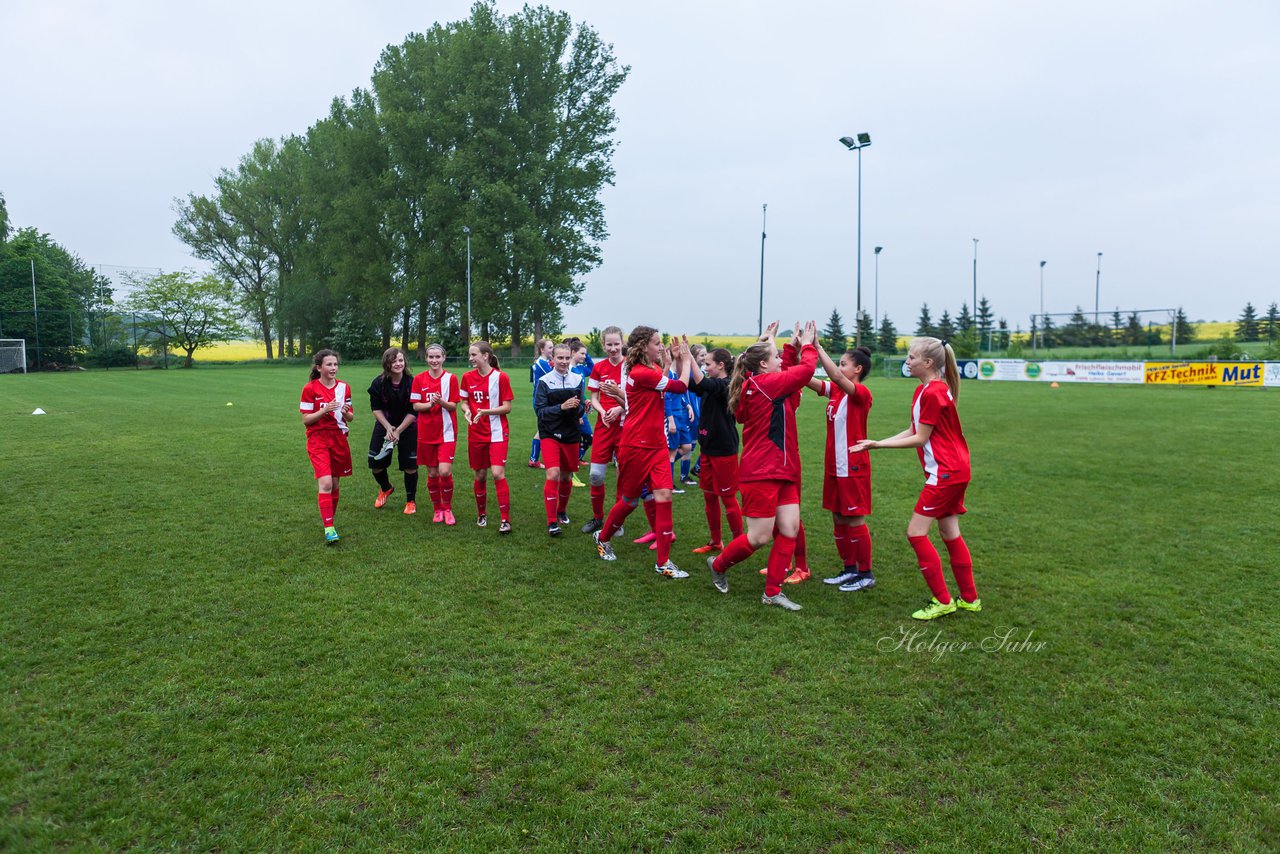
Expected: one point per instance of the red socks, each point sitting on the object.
(784, 548)
(433, 489)
(335, 495)
(481, 489)
(734, 512)
(651, 514)
(859, 540)
(962, 567)
(735, 552)
(597, 501)
(446, 492)
(711, 504)
(325, 500)
(621, 510)
(504, 497)
(665, 530)
(566, 489)
(801, 548)
(551, 498)
(931, 568)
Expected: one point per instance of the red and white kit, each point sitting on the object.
(437, 427)
(945, 456)
(327, 438)
(604, 442)
(847, 475)
(642, 449)
(488, 392)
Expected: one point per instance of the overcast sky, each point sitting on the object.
(1148, 131)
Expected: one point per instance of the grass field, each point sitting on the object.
(186, 666)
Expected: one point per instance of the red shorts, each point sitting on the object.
(560, 455)
(762, 498)
(330, 454)
(483, 455)
(604, 443)
(938, 502)
(434, 454)
(719, 475)
(847, 496)
(638, 466)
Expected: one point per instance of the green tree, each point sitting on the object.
(946, 329)
(887, 339)
(1002, 335)
(833, 338)
(1271, 323)
(1048, 332)
(924, 325)
(1247, 328)
(188, 312)
(964, 321)
(986, 316)
(1185, 332)
(1134, 334)
(866, 333)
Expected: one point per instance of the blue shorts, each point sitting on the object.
(684, 434)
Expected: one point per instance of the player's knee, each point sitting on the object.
(597, 474)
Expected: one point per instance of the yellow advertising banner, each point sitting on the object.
(1204, 373)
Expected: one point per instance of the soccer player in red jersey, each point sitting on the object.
(718, 439)
(435, 397)
(609, 412)
(559, 400)
(326, 409)
(936, 435)
(393, 421)
(642, 450)
(760, 396)
(846, 483)
(486, 400)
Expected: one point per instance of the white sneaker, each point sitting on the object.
(781, 601)
(843, 578)
(719, 579)
(670, 570)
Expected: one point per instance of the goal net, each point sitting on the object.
(13, 355)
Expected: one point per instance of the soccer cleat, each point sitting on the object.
(864, 581)
(331, 535)
(647, 538)
(553, 530)
(843, 578)
(576, 483)
(670, 570)
(604, 550)
(481, 521)
(534, 464)
(688, 481)
(448, 518)
(562, 518)
(383, 495)
(934, 609)
(801, 574)
(780, 600)
(437, 516)
(719, 579)
(764, 570)
(593, 526)
(505, 527)
(410, 508)
(975, 605)
(676, 490)
(709, 548)
(387, 445)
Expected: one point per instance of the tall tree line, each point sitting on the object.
(352, 233)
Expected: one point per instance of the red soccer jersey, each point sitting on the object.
(945, 457)
(846, 425)
(487, 392)
(767, 412)
(437, 424)
(600, 372)
(315, 395)
(646, 424)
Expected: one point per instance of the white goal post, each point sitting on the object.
(13, 355)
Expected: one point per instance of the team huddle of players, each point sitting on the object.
(642, 398)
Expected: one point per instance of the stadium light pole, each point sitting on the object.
(1042, 263)
(764, 212)
(974, 307)
(878, 249)
(1097, 289)
(862, 141)
(467, 231)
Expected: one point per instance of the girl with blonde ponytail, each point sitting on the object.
(936, 435)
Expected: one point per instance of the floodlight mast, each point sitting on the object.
(863, 140)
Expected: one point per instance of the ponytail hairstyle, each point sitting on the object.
(636, 343)
(318, 359)
(860, 356)
(748, 362)
(486, 349)
(723, 358)
(388, 357)
(944, 361)
(542, 342)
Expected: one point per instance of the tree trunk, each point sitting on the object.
(422, 330)
(515, 334)
(404, 329)
(387, 325)
(266, 332)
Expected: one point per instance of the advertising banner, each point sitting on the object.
(1271, 376)
(1008, 369)
(1205, 373)
(1093, 372)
